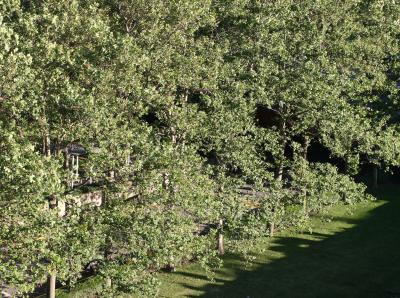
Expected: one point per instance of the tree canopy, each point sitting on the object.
(187, 121)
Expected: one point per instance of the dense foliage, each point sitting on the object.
(191, 120)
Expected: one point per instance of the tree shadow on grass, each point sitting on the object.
(362, 261)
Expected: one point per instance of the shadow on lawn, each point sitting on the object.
(362, 261)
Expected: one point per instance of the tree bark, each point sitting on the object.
(108, 282)
(279, 172)
(165, 182)
(306, 144)
(272, 229)
(279, 168)
(66, 159)
(51, 290)
(305, 204)
(221, 249)
(46, 150)
(111, 175)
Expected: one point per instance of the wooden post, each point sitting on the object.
(51, 282)
(72, 169)
(72, 162)
(221, 249)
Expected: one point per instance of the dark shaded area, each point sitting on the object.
(363, 261)
(319, 153)
(266, 117)
(151, 118)
(41, 290)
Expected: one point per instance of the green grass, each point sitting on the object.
(352, 252)
(83, 289)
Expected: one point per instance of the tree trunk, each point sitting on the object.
(279, 168)
(108, 282)
(306, 144)
(111, 175)
(375, 177)
(221, 249)
(279, 172)
(66, 159)
(305, 204)
(47, 144)
(272, 229)
(51, 290)
(165, 182)
(44, 146)
(46, 150)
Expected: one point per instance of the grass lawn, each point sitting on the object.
(352, 252)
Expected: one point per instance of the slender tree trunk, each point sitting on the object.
(165, 182)
(306, 144)
(279, 168)
(375, 177)
(48, 148)
(44, 146)
(58, 150)
(51, 279)
(272, 229)
(51, 290)
(108, 282)
(111, 175)
(66, 159)
(221, 249)
(279, 172)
